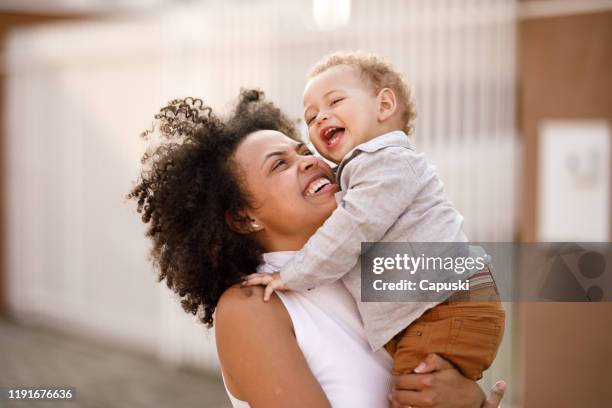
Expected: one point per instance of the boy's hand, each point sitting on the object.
(271, 280)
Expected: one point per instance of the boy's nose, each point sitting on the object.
(323, 116)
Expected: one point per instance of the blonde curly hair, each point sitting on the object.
(379, 73)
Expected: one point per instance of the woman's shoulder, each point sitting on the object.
(251, 335)
(239, 307)
(241, 297)
(238, 294)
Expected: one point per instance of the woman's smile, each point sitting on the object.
(320, 184)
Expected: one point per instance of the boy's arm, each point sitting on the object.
(381, 187)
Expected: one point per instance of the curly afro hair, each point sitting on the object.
(187, 185)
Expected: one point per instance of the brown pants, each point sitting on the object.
(466, 330)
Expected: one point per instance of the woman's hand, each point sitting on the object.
(439, 384)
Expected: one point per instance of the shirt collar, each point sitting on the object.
(274, 261)
(393, 138)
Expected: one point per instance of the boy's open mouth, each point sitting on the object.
(331, 135)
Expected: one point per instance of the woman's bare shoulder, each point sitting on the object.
(244, 323)
(259, 354)
(245, 305)
(239, 293)
(242, 298)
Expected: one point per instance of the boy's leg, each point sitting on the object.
(478, 325)
(427, 334)
(466, 332)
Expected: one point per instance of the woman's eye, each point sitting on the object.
(278, 163)
(307, 152)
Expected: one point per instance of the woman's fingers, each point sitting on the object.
(496, 395)
(413, 382)
(432, 362)
(422, 379)
(444, 386)
(403, 398)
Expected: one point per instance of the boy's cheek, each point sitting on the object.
(316, 141)
(314, 137)
(329, 157)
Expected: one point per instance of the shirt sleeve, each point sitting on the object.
(381, 186)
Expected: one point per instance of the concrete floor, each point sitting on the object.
(103, 377)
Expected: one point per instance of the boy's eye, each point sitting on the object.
(335, 101)
(307, 152)
(309, 120)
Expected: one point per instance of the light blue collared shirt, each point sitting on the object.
(389, 193)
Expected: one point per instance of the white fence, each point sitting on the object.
(79, 95)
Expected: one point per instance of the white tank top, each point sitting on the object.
(330, 334)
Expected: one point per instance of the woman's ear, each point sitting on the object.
(242, 224)
(387, 104)
(255, 225)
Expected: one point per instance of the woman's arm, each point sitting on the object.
(260, 355)
(441, 385)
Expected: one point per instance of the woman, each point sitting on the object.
(223, 198)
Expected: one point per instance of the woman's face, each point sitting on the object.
(293, 191)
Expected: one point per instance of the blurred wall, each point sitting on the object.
(80, 96)
(8, 22)
(565, 65)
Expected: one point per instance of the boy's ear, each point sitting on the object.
(387, 104)
(242, 224)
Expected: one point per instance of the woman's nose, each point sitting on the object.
(308, 162)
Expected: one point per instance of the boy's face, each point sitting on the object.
(341, 111)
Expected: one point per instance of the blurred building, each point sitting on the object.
(564, 118)
(514, 108)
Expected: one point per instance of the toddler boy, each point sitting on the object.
(359, 113)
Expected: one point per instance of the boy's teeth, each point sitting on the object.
(332, 140)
